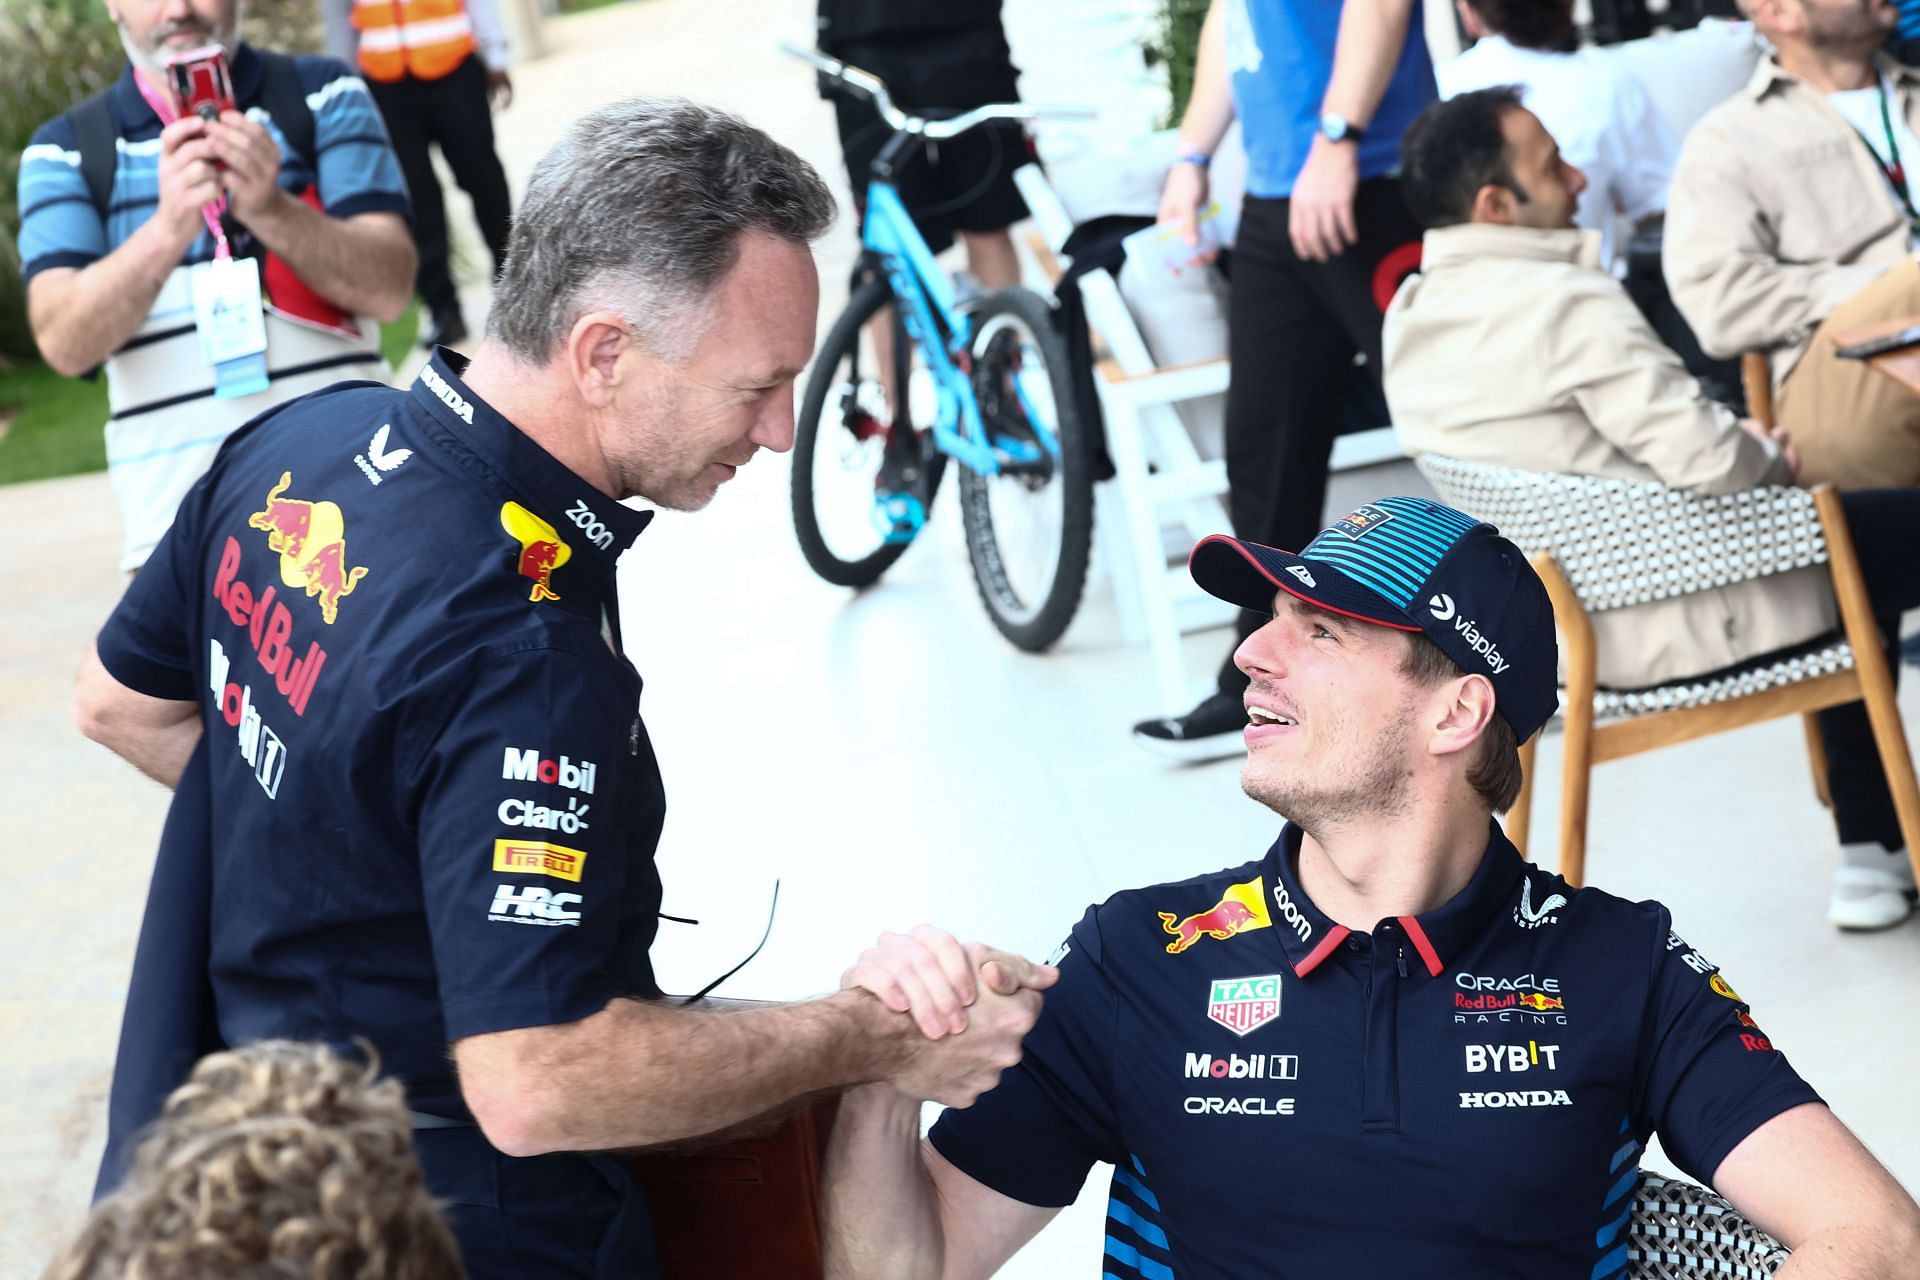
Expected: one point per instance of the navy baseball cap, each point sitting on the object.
(1414, 565)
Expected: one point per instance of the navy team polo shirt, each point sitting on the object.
(434, 806)
(1462, 1093)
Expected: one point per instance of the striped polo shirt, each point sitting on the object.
(165, 423)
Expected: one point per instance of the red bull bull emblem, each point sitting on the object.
(1244, 1004)
(541, 550)
(1241, 909)
(1540, 1004)
(311, 540)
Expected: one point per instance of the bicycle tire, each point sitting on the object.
(843, 344)
(1031, 624)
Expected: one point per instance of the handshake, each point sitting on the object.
(956, 1012)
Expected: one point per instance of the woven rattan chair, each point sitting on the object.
(1611, 544)
(1679, 1231)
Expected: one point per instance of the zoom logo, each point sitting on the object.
(1441, 607)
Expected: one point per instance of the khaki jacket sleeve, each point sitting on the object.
(1603, 358)
(1722, 263)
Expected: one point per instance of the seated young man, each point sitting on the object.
(1389, 1046)
(1510, 347)
(1792, 222)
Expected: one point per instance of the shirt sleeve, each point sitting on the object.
(59, 226)
(522, 861)
(146, 644)
(1051, 1118)
(358, 172)
(1709, 1076)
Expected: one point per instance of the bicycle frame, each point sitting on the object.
(927, 303)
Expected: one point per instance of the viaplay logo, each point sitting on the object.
(1444, 610)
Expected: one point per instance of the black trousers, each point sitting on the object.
(1885, 524)
(1294, 327)
(453, 113)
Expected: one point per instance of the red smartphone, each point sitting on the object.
(200, 83)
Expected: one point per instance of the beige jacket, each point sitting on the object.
(1511, 347)
(1777, 215)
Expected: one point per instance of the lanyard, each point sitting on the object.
(210, 212)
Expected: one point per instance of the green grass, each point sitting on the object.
(58, 430)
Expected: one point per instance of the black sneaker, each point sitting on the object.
(1211, 731)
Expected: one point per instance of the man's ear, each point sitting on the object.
(594, 353)
(1494, 203)
(1465, 708)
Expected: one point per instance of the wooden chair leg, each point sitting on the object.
(1576, 756)
(1520, 817)
(1876, 677)
(1817, 757)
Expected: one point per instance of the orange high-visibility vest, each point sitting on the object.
(426, 39)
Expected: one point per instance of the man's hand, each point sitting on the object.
(957, 1069)
(252, 157)
(189, 182)
(1778, 435)
(1181, 201)
(928, 974)
(499, 88)
(1320, 211)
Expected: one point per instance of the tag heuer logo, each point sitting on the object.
(1243, 1004)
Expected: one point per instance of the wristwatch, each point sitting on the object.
(1335, 127)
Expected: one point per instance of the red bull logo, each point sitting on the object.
(267, 626)
(1540, 1004)
(311, 540)
(1242, 909)
(541, 549)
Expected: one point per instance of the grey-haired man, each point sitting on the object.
(394, 614)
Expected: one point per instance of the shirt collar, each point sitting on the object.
(1769, 73)
(1466, 241)
(1439, 935)
(130, 106)
(545, 485)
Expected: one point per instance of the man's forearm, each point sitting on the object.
(1859, 1254)
(1373, 34)
(880, 1217)
(364, 265)
(80, 317)
(639, 1074)
(1210, 105)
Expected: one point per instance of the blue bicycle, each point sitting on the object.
(992, 391)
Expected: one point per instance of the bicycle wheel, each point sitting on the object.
(1030, 527)
(850, 442)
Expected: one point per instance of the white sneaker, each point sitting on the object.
(1871, 898)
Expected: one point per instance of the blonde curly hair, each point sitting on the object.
(279, 1160)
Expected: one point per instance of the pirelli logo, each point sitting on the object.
(537, 857)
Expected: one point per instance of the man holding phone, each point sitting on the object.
(218, 257)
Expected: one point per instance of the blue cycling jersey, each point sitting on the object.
(429, 807)
(1461, 1093)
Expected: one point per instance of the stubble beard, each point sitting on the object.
(1379, 788)
(1851, 33)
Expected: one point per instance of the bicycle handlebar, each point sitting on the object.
(868, 83)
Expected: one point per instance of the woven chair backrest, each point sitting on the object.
(1679, 1231)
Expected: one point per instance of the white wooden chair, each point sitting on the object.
(1610, 544)
(1165, 496)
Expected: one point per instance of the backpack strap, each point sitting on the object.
(96, 134)
(286, 102)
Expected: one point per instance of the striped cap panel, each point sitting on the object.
(1391, 546)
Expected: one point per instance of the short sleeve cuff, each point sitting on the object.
(1705, 1162)
(1015, 1174)
(482, 1012)
(48, 261)
(371, 202)
(141, 673)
